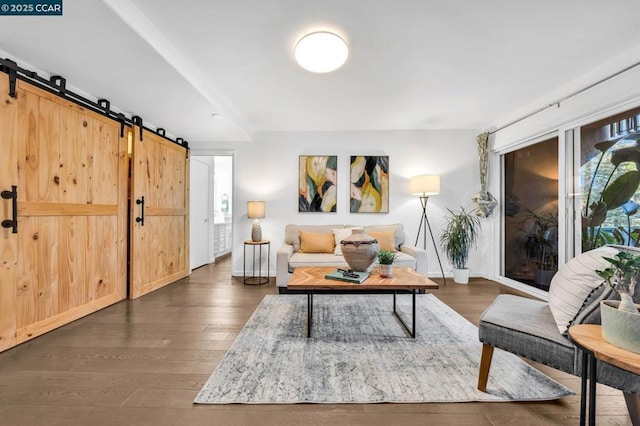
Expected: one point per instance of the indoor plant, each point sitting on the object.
(614, 182)
(458, 237)
(386, 259)
(540, 244)
(621, 320)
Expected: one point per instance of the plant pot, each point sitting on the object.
(359, 250)
(461, 276)
(620, 328)
(385, 271)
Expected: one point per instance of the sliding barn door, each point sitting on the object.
(8, 239)
(65, 256)
(159, 213)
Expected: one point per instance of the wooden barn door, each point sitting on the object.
(8, 239)
(159, 238)
(68, 256)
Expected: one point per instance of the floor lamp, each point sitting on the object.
(424, 186)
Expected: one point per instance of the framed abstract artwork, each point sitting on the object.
(369, 184)
(317, 183)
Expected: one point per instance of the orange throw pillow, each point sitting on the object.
(386, 239)
(313, 242)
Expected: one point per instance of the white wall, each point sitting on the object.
(267, 169)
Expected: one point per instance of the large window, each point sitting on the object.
(609, 181)
(530, 213)
(602, 177)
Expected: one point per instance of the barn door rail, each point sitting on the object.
(13, 196)
(58, 86)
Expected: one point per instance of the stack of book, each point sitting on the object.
(347, 275)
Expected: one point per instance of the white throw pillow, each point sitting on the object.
(340, 234)
(573, 283)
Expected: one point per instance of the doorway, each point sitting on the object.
(211, 201)
(199, 214)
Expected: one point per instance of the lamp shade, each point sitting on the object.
(255, 209)
(425, 185)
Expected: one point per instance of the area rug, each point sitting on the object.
(359, 353)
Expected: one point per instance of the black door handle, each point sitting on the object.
(140, 219)
(11, 195)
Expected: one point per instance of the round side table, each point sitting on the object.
(588, 337)
(256, 279)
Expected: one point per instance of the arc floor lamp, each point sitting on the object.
(425, 186)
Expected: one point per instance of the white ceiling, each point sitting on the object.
(413, 64)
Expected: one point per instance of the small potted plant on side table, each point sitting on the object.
(621, 319)
(386, 259)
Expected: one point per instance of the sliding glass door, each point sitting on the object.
(600, 177)
(530, 213)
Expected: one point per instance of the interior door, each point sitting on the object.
(64, 182)
(199, 213)
(159, 218)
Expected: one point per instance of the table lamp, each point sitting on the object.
(255, 210)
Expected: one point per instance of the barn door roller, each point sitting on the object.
(11, 68)
(137, 120)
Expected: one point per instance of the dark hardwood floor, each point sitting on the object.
(143, 362)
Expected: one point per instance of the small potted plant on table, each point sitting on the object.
(621, 320)
(386, 259)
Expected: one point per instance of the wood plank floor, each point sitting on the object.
(143, 361)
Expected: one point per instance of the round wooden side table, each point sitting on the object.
(588, 337)
(256, 279)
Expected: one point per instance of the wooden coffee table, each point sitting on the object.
(312, 280)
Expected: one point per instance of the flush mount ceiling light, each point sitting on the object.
(321, 52)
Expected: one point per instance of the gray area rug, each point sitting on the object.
(359, 353)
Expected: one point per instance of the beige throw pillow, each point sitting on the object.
(574, 282)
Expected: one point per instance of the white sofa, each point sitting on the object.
(289, 255)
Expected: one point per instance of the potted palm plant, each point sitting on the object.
(459, 235)
(386, 259)
(621, 319)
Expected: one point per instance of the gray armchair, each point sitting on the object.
(527, 328)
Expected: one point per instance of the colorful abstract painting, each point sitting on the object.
(317, 183)
(370, 184)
